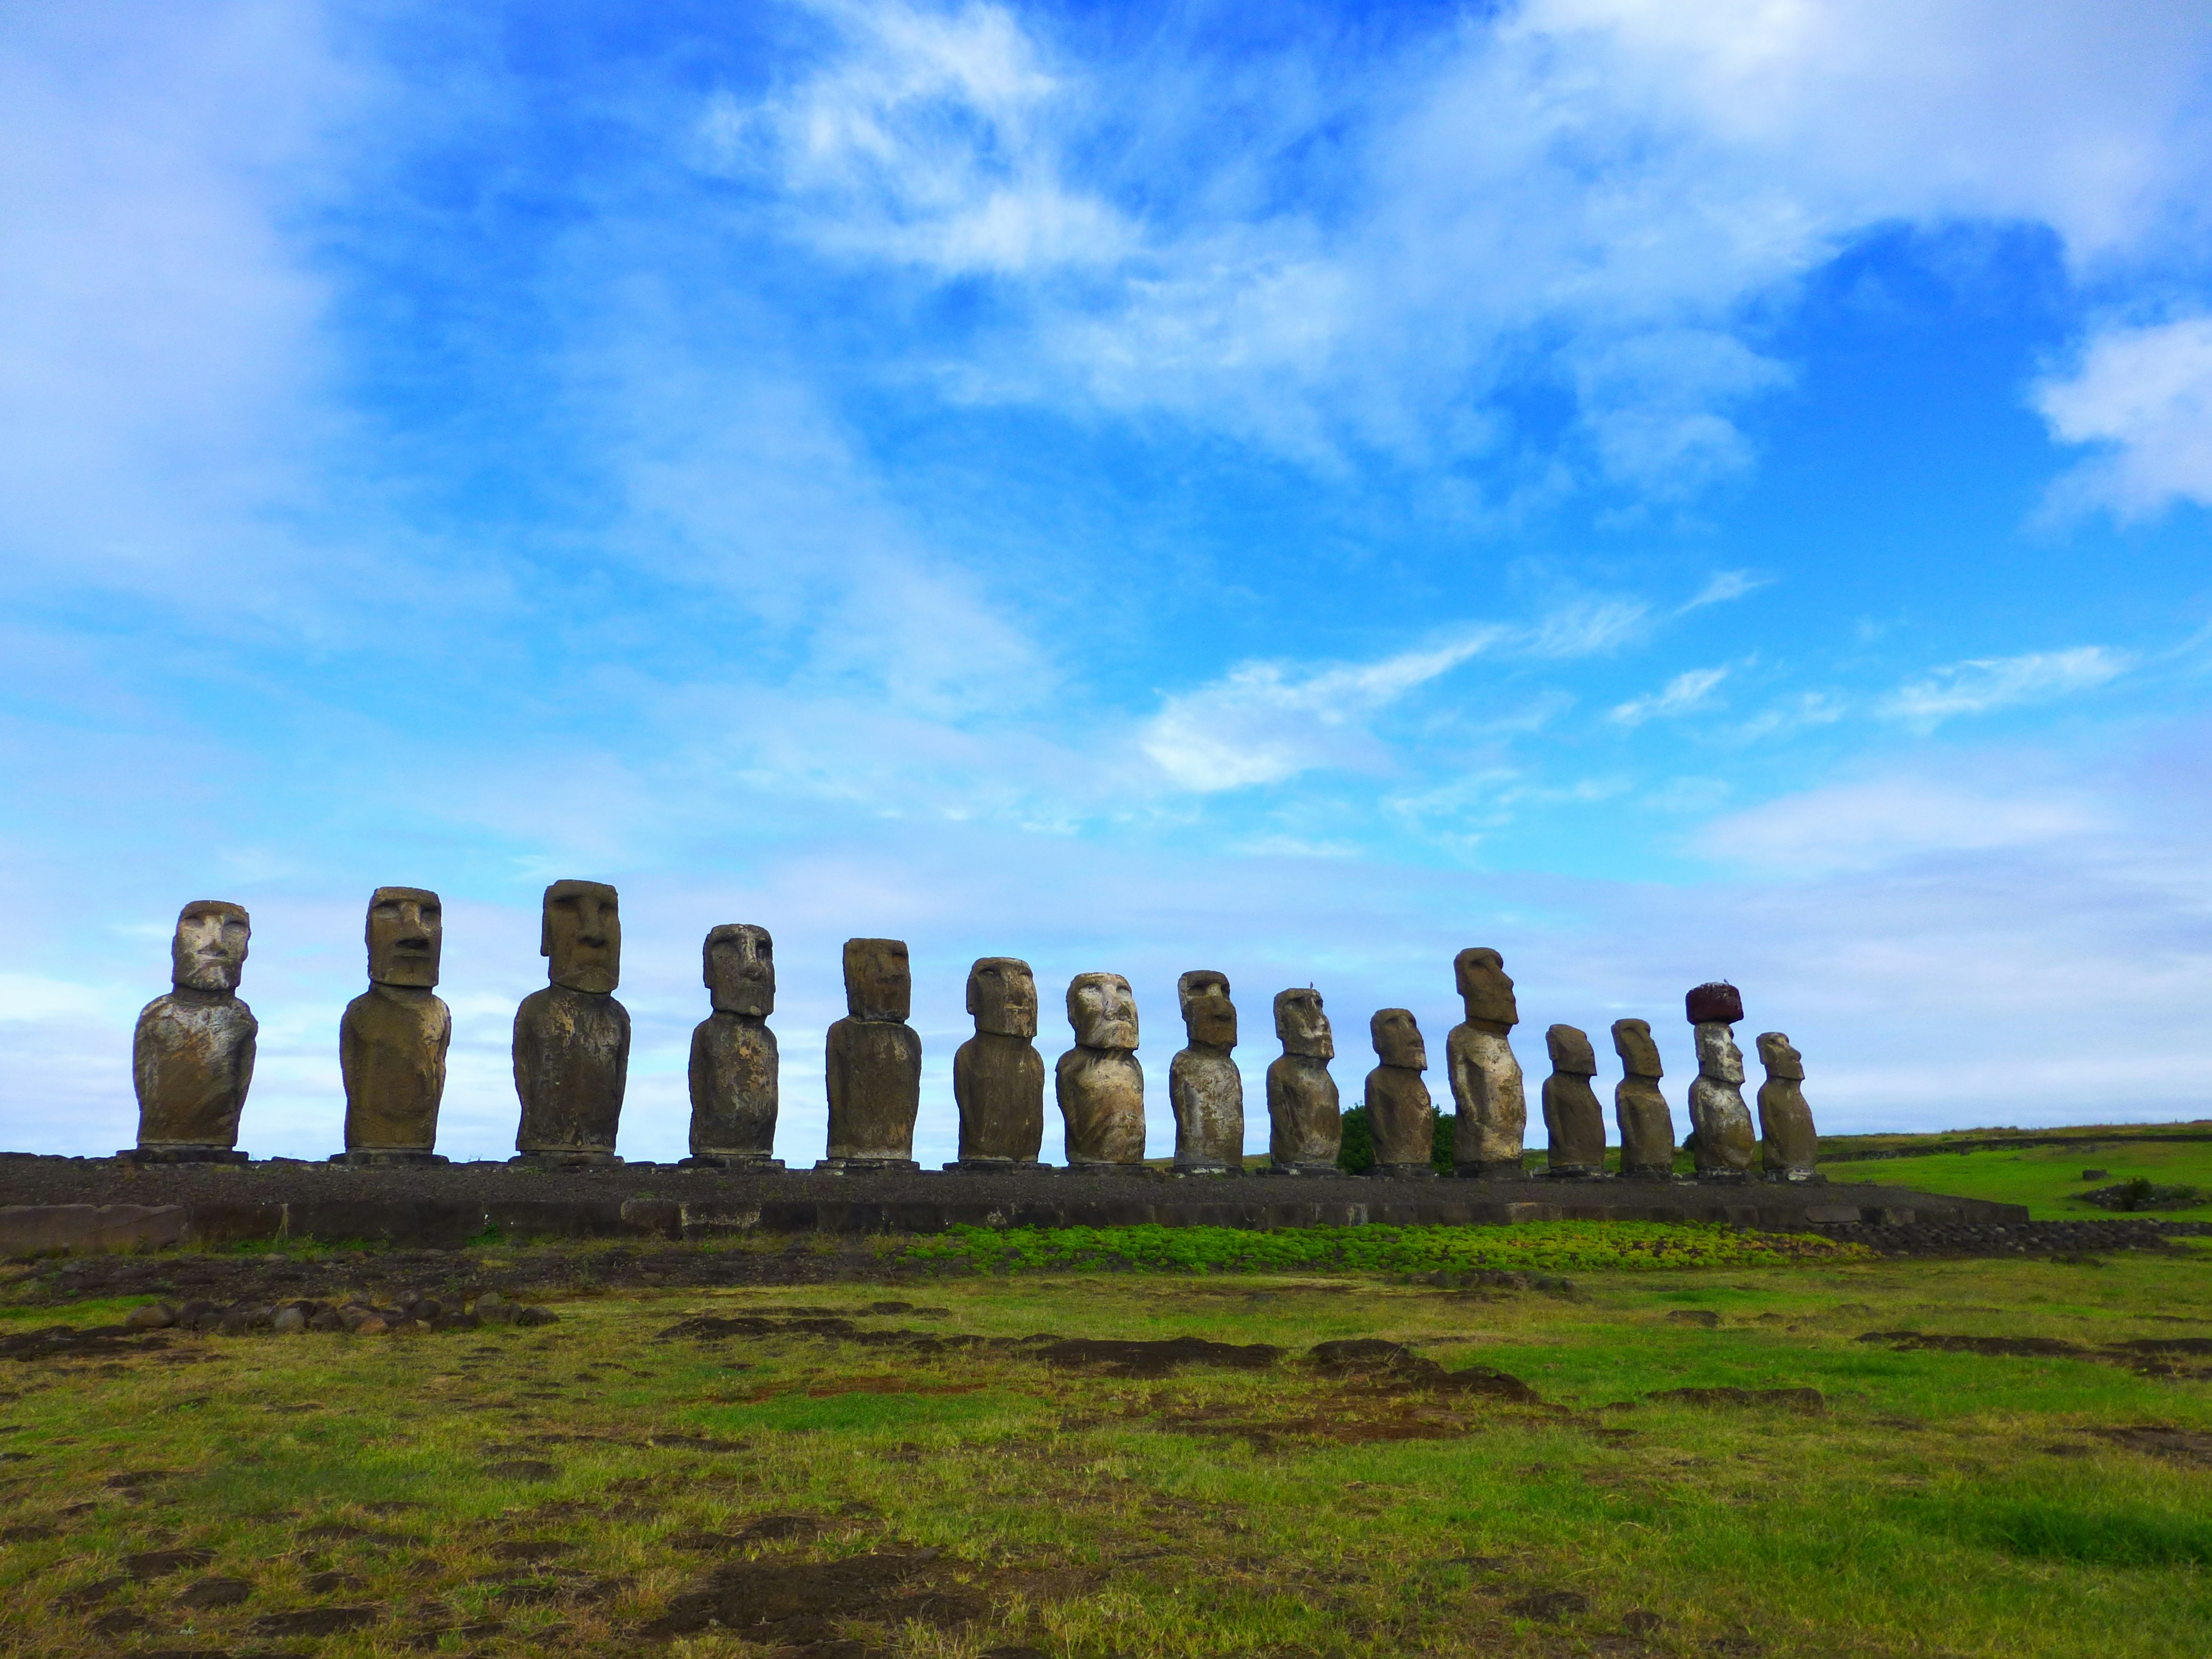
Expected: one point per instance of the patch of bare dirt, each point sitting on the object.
(1809, 1402)
(800, 1604)
(2186, 1446)
(1372, 1356)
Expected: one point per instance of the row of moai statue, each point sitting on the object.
(193, 1060)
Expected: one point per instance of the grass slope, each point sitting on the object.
(2048, 1179)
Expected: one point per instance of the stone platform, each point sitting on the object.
(55, 1204)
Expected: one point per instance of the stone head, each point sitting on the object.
(1782, 1061)
(879, 980)
(1718, 1057)
(406, 929)
(1717, 999)
(1397, 1039)
(581, 935)
(1570, 1050)
(1485, 987)
(209, 951)
(1639, 1054)
(737, 967)
(1207, 1012)
(1102, 1010)
(1302, 1026)
(1002, 995)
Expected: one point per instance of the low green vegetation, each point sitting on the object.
(2052, 1181)
(2017, 1463)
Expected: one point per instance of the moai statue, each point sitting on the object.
(998, 1075)
(874, 1062)
(1572, 1117)
(1306, 1129)
(572, 1039)
(1203, 1085)
(734, 1064)
(1400, 1113)
(1718, 1116)
(1647, 1125)
(1485, 1078)
(192, 1057)
(1099, 1083)
(1788, 1147)
(393, 1037)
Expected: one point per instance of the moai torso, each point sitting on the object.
(1573, 1121)
(572, 1039)
(735, 1068)
(1400, 1116)
(1485, 1077)
(1305, 1127)
(1203, 1085)
(1647, 1125)
(998, 1075)
(393, 1037)
(191, 1055)
(1717, 1114)
(1790, 1151)
(1098, 1083)
(873, 1063)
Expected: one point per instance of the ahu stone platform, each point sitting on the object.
(51, 1205)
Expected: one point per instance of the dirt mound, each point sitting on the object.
(1372, 1356)
(2188, 1446)
(1810, 1401)
(2034, 1347)
(1114, 1356)
(1117, 1357)
(315, 1621)
(787, 1604)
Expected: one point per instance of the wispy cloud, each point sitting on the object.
(1726, 585)
(1984, 684)
(2143, 397)
(1685, 694)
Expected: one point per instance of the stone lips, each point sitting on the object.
(1716, 999)
(737, 965)
(405, 932)
(580, 935)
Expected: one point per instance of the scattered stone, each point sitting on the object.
(393, 1037)
(1401, 1116)
(1204, 1087)
(1573, 1120)
(735, 1066)
(872, 1063)
(1098, 1083)
(998, 1075)
(1305, 1126)
(1485, 1078)
(191, 1056)
(572, 1038)
(153, 1316)
(2142, 1194)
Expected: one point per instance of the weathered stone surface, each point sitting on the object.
(1400, 1113)
(1573, 1120)
(1647, 1124)
(1715, 1000)
(1098, 1083)
(393, 1037)
(998, 1075)
(1485, 1077)
(1205, 1088)
(191, 1056)
(572, 1039)
(1788, 1148)
(1717, 1114)
(735, 1069)
(873, 1060)
(1305, 1125)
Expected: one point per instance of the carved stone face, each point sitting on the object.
(1639, 1054)
(209, 951)
(878, 981)
(1718, 1057)
(1208, 1014)
(581, 935)
(739, 967)
(1782, 1061)
(1397, 1039)
(1002, 995)
(1302, 1026)
(1572, 1054)
(1480, 975)
(406, 928)
(1104, 1012)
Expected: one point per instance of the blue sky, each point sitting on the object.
(1667, 492)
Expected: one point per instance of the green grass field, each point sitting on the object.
(597, 1486)
(2049, 1179)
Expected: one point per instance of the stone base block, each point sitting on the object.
(1727, 1177)
(1649, 1172)
(1401, 1172)
(867, 1165)
(1089, 1167)
(567, 1157)
(152, 1155)
(1302, 1171)
(996, 1166)
(731, 1161)
(387, 1157)
(1208, 1167)
(1807, 1176)
(1496, 1169)
(1571, 1172)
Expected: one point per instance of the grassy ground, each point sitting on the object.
(573, 1484)
(2049, 1179)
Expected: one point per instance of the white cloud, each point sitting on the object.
(1864, 826)
(1984, 684)
(1726, 585)
(1685, 694)
(2143, 396)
